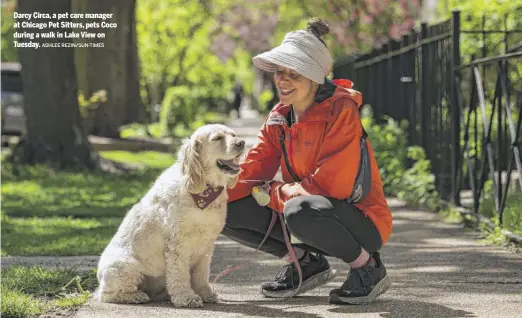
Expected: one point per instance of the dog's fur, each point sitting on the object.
(163, 248)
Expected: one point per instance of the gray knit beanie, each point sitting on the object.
(303, 51)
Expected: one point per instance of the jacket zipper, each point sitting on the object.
(286, 156)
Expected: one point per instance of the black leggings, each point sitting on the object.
(325, 225)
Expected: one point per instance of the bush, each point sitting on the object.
(415, 184)
(180, 105)
(512, 215)
(418, 183)
(265, 99)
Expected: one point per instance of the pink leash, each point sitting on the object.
(291, 251)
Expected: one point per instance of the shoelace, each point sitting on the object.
(360, 276)
(280, 276)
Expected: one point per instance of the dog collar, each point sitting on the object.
(205, 198)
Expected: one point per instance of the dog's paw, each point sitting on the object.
(137, 297)
(211, 297)
(192, 301)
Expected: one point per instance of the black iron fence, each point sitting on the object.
(464, 111)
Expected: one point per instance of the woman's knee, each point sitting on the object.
(299, 210)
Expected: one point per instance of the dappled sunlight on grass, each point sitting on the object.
(46, 212)
(148, 159)
(56, 236)
(74, 194)
(38, 191)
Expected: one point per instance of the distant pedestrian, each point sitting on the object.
(238, 97)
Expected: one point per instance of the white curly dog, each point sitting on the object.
(164, 246)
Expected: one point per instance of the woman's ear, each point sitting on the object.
(192, 166)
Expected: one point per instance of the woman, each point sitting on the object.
(314, 135)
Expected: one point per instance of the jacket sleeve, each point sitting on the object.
(337, 161)
(261, 163)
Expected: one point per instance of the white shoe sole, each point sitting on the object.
(379, 289)
(312, 282)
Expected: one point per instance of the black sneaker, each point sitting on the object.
(316, 272)
(363, 284)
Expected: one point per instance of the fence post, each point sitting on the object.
(405, 80)
(424, 107)
(455, 107)
(390, 78)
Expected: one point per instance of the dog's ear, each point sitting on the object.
(232, 182)
(192, 166)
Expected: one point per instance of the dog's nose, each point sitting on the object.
(240, 143)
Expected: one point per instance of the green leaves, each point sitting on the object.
(9, 52)
(181, 71)
(414, 184)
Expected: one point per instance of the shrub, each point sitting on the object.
(415, 184)
(180, 105)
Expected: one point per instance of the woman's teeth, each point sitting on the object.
(285, 91)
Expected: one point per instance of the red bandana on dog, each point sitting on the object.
(205, 198)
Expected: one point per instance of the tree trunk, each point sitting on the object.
(54, 128)
(106, 67)
(135, 109)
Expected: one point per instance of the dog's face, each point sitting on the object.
(211, 156)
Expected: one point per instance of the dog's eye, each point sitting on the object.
(216, 138)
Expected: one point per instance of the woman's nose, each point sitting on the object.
(281, 76)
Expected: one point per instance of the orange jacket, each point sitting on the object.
(323, 149)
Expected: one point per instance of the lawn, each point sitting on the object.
(64, 213)
(71, 213)
(29, 292)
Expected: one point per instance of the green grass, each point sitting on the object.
(512, 217)
(38, 191)
(64, 213)
(71, 213)
(147, 159)
(56, 236)
(31, 291)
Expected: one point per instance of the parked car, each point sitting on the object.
(13, 117)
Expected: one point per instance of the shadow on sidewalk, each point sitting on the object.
(299, 307)
(404, 308)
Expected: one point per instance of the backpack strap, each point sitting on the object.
(285, 155)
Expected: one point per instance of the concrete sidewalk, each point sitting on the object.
(437, 269)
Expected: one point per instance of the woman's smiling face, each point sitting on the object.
(293, 88)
